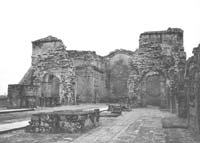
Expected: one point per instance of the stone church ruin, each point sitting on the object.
(62, 77)
(157, 73)
(58, 76)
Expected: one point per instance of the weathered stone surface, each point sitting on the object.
(156, 73)
(3, 101)
(22, 95)
(115, 108)
(69, 77)
(52, 71)
(90, 76)
(117, 71)
(50, 59)
(155, 67)
(101, 79)
(192, 89)
(153, 74)
(63, 121)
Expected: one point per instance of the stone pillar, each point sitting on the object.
(163, 103)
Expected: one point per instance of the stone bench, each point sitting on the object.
(69, 121)
(126, 107)
(115, 108)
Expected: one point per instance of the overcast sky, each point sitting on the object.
(97, 25)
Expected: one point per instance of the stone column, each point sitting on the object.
(163, 103)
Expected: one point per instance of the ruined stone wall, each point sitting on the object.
(160, 53)
(49, 57)
(14, 96)
(90, 84)
(192, 89)
(64, 77)
(81, 58)
(101, 79)
(3, 101)
(51, 71)
(117, 73)
(29, 94)
(90, 79)
(99, 86)
(22, 95)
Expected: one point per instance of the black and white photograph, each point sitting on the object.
(99, 71)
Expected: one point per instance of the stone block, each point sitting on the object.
(63, 121)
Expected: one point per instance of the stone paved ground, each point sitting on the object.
(138, 126)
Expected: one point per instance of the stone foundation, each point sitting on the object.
(63, 121)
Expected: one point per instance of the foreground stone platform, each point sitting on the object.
(12, 120)
(70, 121)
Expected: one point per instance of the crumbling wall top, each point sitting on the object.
(83, 55)
(168, 31)
(196, 50)
(172, 37)
(75, 53)
(117, 51)
(47, 39)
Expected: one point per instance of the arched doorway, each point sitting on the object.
(49, 90)
(118, 77)
(152, 88)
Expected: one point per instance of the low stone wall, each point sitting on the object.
(3, 101)
(22, 96)
(63, 121)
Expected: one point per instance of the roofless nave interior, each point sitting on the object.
(153, 74)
